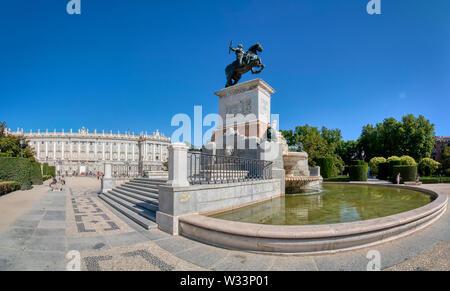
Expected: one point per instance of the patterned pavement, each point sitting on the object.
(73, 229)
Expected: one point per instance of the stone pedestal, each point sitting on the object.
(245, 107)
(178, 165)
(108, 181)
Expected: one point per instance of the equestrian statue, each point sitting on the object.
(245, 61)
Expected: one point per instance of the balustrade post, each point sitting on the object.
(178, 165)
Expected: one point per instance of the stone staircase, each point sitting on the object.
(136, 199)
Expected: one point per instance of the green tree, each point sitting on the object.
(10, 145)
(348, 151)
(412, 136)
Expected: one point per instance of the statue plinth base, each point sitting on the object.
(245, 108)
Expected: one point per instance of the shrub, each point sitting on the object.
(447, 172)
(383, 171)
(357, 163)
(358, 172)
(35, 175)
(48, 170)
(434, 180)
(8, 186)
(393, 163)
(427, 167)
(393, 158)
(408, 161)
(46, 177)
(373, 164)
(341, 178)
(407, 173)
(326, 166)
(16, 169)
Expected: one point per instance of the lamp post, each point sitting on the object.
(21, 146)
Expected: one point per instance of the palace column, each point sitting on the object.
(62, 149)
(133, 152)
(118, 151)
(54, 150)
(154, 151)
(103, 150)
(111, 152)
(46, 149)
(126, 152)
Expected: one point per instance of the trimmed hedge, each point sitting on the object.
(8, 186)
(46, 177)
(391, 167)
(407, 173)
(357, 163)
(326, 166)
(434, 180)
(48, 170)
(342, 178)
(358, 172)
(16, 169)
(383, 171)
(36, 176)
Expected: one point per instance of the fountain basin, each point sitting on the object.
(313, 238)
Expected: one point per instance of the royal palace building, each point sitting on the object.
(84, 152)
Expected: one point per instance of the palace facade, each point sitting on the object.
(85, 152)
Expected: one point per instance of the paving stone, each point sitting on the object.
(124, 239)
(203, 256)
(55, 215)
(155, 234)
(241, 261)
(176, 244)
(39, 261)
(293, 263)
(47, 244)
(25, 223)
(50, 232)
(87, 243)
(18, 243)
(18, 232)
(52, 224)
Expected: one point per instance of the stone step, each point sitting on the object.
(142, 198)
(142, 221)
(137, 202)
(141, 187)
(149, 214)
(150, 192)
(150, 181)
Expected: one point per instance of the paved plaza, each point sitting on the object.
(39, 227)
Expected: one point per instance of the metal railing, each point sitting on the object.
(214, 169)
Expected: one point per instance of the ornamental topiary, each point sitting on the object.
(358, 172)
(326, 165)
(373, 164)
(408, 161)
(427, 167)
(407, 173)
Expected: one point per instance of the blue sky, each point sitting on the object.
(132, 65)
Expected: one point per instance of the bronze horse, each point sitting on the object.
(251, 60)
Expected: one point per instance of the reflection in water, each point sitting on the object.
(333, 204)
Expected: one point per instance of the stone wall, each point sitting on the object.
(178, 201)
